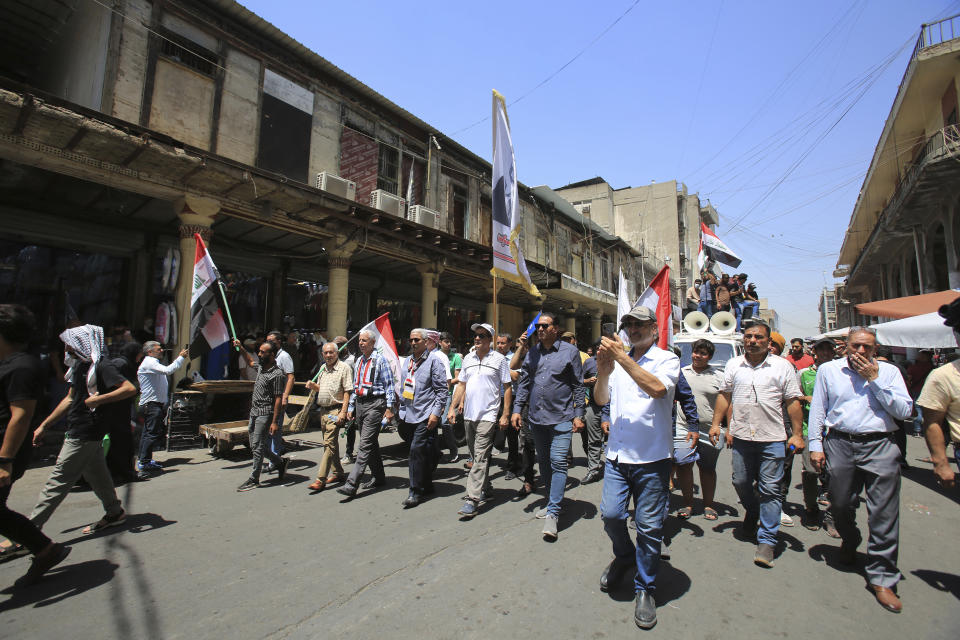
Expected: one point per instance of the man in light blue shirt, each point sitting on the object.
(154, 390)
(856, 401)
(423, 390)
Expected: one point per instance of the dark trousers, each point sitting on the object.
(259, 432)
(15, 526)
(153, 413)
(120, 455)
(592, 438)
(528, 454)
(351, 429)
(872, 467)
(368, 412)
(424, 455)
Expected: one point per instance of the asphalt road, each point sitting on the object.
(198, 560)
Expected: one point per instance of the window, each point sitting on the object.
(388, 168)
(459, 199)
(582, 206)
(286, 118)
(202, 62)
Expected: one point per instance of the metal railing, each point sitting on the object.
(937, 33)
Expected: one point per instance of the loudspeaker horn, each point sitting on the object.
(723, 323)
(696, 322)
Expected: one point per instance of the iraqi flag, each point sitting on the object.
(713, 249)
(657, 298)
(207, 327)
(384, 344)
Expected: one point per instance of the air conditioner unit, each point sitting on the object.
(421, 215)
(387, 202)
(336, 185)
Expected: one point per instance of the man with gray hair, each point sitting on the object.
(424, 395)
(856, 401)
(154, 390)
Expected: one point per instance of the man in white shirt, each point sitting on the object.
(485, 375)
(639, 386)
(285, 361)
(856, 400)
(154, 389)
(757, 386)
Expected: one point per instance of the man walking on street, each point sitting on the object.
(154, 392)
(639, 385)
(371, 403)
(21, 389)
(484, 378)
(424, 394)
(756, 386)
(592, 434)
(856, 401)
(265, 407)
(333, 386)
(796, 356)
(503, 343)
(553, 388)
(94, 382)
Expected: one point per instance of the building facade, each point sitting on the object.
(904, 233)
(827, 308)
(124, 130)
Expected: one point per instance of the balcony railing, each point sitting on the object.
(937, 33)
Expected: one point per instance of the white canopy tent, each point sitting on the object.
(920, 332)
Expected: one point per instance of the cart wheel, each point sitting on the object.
(212, 446)
(223, 447)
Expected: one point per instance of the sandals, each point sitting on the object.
(709, 513)
(317, 485)
(106, 522)
(12, 550)
(684, 513)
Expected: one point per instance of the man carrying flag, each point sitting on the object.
(712, 248)
(655, 297)
(373, 401)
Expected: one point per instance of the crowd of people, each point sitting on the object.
(644, 421)
(712, 294)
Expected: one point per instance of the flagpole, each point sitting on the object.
(226, 307)
(493, 321)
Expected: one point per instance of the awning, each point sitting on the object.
(909, 306)
(925, 331)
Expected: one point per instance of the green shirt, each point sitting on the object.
(808, 378)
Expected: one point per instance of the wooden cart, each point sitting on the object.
(221, 437)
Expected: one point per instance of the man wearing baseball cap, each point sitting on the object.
(484, 376)
(639, 386)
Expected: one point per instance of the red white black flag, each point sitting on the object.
(207, 327)
(712, 248)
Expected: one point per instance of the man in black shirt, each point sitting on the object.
(265, 406)
(21, 388)
(119, 414)
(95, 382)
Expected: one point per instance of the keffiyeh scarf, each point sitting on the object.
(88, 346)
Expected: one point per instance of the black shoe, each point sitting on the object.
(270, 468)
(645, 613)
(349, 492)
(847, 554)
(248, 484)
(43, 562)
(413, 499)
(282, 469)
(614, 573)
(748, 528)
(664, 549)
(429, 491)
(592, 476)
(373, 483)
(509, 475)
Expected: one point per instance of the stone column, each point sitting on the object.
(571, 321)
(430, 281)
(196, 214)
(338, 280)
(926, 261)
(950, 228)
(596, 318)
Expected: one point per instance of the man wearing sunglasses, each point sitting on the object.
(552, 391)
(639, 386)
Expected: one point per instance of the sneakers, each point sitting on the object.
(250, 483)
(282, 469)
(47, 559)
(148, 466)
(785, 519)
(469, 509)
(347, 459)
(764, 556)
(550, 528)
(541, 513)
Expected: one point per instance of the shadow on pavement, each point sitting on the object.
(940, 581)
(672, 584)
(829, 554)
(673, 526)
(926, 478)
(136, 523)
(574, 510)
(61, 583)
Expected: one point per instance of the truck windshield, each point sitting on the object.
(724, 351)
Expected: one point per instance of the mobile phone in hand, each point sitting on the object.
(608, 329)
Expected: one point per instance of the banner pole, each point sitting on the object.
(496, 315)
(226, 307)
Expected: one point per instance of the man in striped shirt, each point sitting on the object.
(265, 407)
(372, 402)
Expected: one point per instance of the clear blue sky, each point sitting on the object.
(740, 101)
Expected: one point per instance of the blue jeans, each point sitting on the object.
(737, 312)
(153, 413)
(750, 304)
(552, 444)
(648, 484)
(707, 307)
(757, 472)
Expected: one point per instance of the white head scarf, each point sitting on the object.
(88, 346)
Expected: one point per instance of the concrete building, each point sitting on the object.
(769, 315)
(827, 307)
(904, 233)
(661, 220)
(125, 130)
